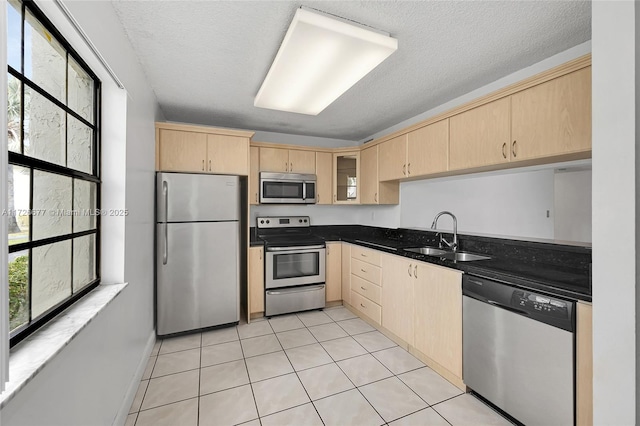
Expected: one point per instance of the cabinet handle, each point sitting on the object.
(209, 165)
(286, 166)
(203, 165)
(328, 250)
(513, 149)
(256, 197)
(409, 269)
(404, 168)
(363, 288)
(504, 150)
(415, 271)
(260, 254)
(363, 255)
(408, 169)
(290, 167)
(318, 200)
(335, 197)
(375, 197)
(363, 270)
(363, 306)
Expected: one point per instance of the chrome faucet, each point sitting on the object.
(454, 244)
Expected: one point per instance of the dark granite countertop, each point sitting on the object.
(555, 269)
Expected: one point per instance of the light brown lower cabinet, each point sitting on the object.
(256, 280)
(346, 272)
(438, 316)
(398, 283)
(584, 364)
(333, 272)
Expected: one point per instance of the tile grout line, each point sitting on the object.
(253, 394)
(199, 383)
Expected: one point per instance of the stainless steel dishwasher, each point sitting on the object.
(518, 350)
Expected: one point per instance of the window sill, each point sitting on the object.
(31, 355)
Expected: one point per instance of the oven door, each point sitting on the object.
(292, 266)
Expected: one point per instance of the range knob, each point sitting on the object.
(267, 221)
(262, 221)
(305, 221)
(300, 220)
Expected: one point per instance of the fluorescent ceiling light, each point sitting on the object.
(320, 58)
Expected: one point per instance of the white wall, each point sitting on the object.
(512, 204)
(615, 218)
(386, 216)
(93, 379)
(572, 205)
(286, 138)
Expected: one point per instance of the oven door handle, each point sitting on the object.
(295, 249)
(296, 290)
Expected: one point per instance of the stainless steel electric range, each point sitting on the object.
(294, 264)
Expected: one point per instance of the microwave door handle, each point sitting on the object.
(304, 190)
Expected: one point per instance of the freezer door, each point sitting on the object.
(198, 275)
(184, 197)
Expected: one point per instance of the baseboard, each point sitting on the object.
(123, 412)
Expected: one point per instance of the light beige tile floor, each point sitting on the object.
(313, 368)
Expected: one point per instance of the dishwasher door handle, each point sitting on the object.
(507, 308)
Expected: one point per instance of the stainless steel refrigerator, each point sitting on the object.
(197, 251)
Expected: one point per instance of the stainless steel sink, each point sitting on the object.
(462, 256)
(429, 251)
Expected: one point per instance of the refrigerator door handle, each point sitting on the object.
(165, 192)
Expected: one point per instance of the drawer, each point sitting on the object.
(365, 270)
(365, 255)
(366, 288)
(366, 306)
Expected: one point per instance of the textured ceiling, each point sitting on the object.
(206, 60)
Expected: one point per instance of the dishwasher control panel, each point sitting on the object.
(537, 303)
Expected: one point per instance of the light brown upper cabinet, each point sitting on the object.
(480, 136)
(324, 170)
(187, 148)
(346, 178)
(428, 149)
(287, 160)
(552, 118)
(254, 175)
(181, 151)
(372, 191)
(392, 159)
(227, 154)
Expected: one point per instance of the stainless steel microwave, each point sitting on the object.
(287, 188)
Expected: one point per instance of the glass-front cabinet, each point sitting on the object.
(346, 178)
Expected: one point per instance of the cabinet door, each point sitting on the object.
(333, 278)
(552, 118)
(346, 178)
(182, 151)
(369, 175)
(397, 296)
(438, 316)
(228, 155)
(481, 136)
(274, 160)
(584, 365)
(302, 161)
(346, 272)
(323, 176)
(392, 159)
(256, 279)
(428, 149)
(254, 175)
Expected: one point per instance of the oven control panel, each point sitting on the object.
(283, 222)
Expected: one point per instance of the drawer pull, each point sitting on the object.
(409, 269)
(362, 305)
(415, 271)
(363, 270)
(363, 255)
(363, 288)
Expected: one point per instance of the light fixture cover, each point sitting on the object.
(320, 58)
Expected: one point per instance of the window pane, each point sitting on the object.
(18, 204)
(14, 30)
(44, 58)
(84, 198)
(51, 276)
(80, 96)
(79, 145)
(51, 193)
(84, 261)
(44, 129)
(18, 289)
(14, 101)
